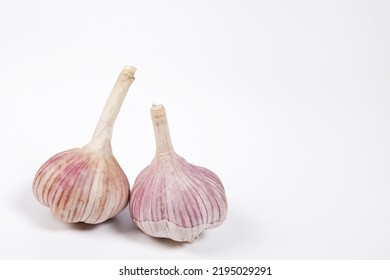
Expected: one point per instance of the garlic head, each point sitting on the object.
(87, 184)
(172, 198)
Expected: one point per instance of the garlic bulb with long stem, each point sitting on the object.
(87, 184)
(172, 198)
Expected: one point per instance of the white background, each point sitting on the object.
(287, 101)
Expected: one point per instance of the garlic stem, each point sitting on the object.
(161, 130)
(102, 136)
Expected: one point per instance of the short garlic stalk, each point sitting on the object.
(87, 184)
(172, 198)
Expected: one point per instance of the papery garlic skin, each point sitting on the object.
(178, 207)
(172, 198)
(80, 186)
(87, 184)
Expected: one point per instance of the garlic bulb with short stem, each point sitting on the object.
(172, 198)
(87, 184)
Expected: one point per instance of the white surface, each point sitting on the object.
(287, 101)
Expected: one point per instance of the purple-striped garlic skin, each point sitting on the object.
(80, 186)
(172, 198)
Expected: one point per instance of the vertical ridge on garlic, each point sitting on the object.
(172, 198)
(87, 184)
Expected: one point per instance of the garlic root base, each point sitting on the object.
(167, 229)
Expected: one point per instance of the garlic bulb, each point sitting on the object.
(87, 184)
(172, 198)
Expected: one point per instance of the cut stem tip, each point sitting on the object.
(157, 111)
